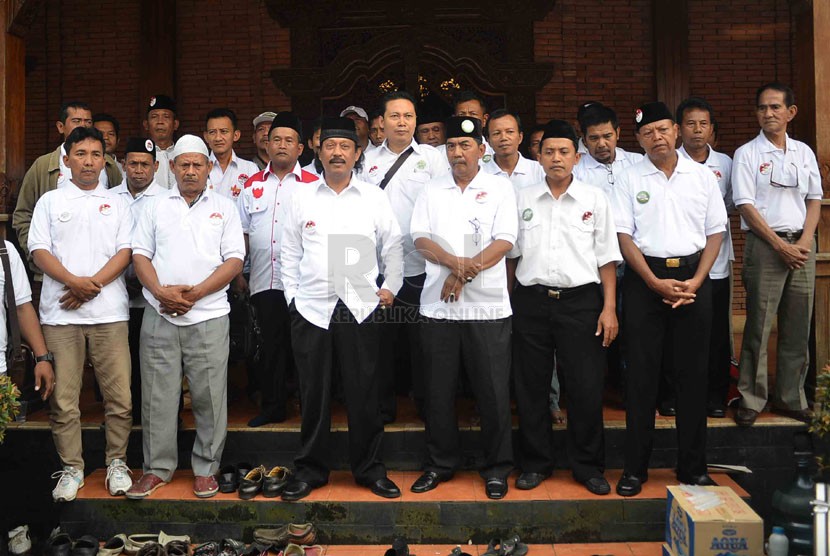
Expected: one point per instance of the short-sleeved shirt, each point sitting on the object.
(187, 244)
(668, 217)
(721, 166)
(527, 172)
(424, 164)
(83, 230)
(231, 182)
(263, 209)
(465, 223)
(22, 294)
(593, 172)
(564, 242)
(757, 168)
(333, 246)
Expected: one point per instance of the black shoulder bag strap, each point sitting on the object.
(398, 163)
(11, 306)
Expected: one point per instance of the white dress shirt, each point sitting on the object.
(595, 173)
(527, 172)
(187, 244)
(668, 217)
(424, 164)
(83, 230)
(263, 209)
(563, 242)
(230, 182)
(22, 294)
(330, 247)
(465, 223)
(164, 175)
(758, 164)
(721, 166)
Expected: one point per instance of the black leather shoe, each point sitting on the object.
(598, 486)
(59, 545)
(495, 488)
(629, 485)
(667, 409)
(275, 481)
(745, 417)
(426, 482)
(528, 481)
(265, 418)
(242, 469)
(715, 410)
(296, 490)
(697, 480)
(251, 485)
(86, 546)
(385, 488)
(227, 479)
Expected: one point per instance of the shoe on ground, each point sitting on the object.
(59, 544)
(630, 485)
(152, 549)
(292, 549)
(205, 486)
(598, 486)
(144, 487)
(264, 419)
(138, 541)
(118, 479)
(385, 488)
(210, 548)
(455, 552)
(667, 409)
(19, 540)
(251, 485)
(242, 469)
(315, 550)
(227, 479)
(231, 547)
(716, 410)
(296, 490)
(297, 533)
(426, 482)
(70, 480)
(399, 548)
(275, 481)
(494, 548)
(114, 546)
(177, 548)
(165, 539)
(513, 546)
(528, 481)
(495, 488)
(803, 415)
(697, 480)
(86, 546)
(745, 417)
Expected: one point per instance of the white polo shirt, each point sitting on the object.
(424, 164)
(22, 294)
(136, 204)
(563, 242)
(230, 182)
(465, 223)
(263, 209)
(758, 164)
(83, 230)
(668, 217)
(164, 175)
(187, 244)
(330, 247)
(721, 166)
(595, 173)
(527, 172)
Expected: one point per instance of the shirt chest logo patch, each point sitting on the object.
(481, 197)
(257, 192)
(373, 170)
(216, 218)
(643, 197)
(487, 158)
(718, 174)
(422, 165)
(587, 217)
(235, 191)
(65, 216)
(105, 209)
(527, 215)
(766, 168)
(242, 179)
(310, 226)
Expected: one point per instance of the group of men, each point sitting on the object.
(415, 235)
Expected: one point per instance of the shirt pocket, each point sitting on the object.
(259, 216)
(530, 235)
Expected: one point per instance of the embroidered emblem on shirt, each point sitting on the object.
(422, 165)
(638, 116)
(242, 179)
(65, 216)
(105, 209)
(373, 170)
(717, 174)
(310, 225)
(258, 191)
(481, 197)
(487, 158)
(643, 197)
(216, 218)
(235, 191)
(766, 168)
(587, 216)
(527, 215)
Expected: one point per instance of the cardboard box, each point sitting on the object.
(711, 521)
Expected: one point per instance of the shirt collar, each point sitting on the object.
(711, 156)
(685, 165)
(75, 192)
(576, 190)
(174, 192)
(297, 171)
(234, 159)
(766, 146)
(412, 143)
(354, 185)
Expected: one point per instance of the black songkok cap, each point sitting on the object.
(141, 145)
(426, 116)
(289, 120)
(338, 127)
(652, 112)
(463, 126)
(161, 102)
(559, 129)
(585, 106)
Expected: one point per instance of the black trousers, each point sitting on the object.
(133, 336)
(547, 329)
(651, 328)
(485, 349)
(356, 347)
(272, 369)
(720, 346)
(400, 363)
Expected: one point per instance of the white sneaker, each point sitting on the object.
(19, 541)
(118, 477)
(69, 481)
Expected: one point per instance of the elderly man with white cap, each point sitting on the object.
(188, 247)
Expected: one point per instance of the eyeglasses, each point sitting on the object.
(610, 176)
(785, 176)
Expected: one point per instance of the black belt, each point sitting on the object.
(557, 293)
(674, 262)
(790, 236)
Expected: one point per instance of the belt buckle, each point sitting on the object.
(790, 237)
(553, 293)
(673, 263)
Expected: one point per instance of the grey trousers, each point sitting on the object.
(772, 289)
(168, 352)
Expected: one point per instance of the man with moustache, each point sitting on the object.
(402, 167)
(670, 221)
(263, 208)
(604, 160)
(262, 124)
(161, 124)
(504, 129)
(228, 172)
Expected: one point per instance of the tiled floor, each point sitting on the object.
(464, 487)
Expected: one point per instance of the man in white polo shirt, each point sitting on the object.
(776, 186)
(80, 238)
(228, 172)
(188, 247)
(464, 224)
(504, 130)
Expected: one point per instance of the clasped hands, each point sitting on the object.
(462, 271)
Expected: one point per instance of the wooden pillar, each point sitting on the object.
(671, 50)
(158, 51)
(12, 102)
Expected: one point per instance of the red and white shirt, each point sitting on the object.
(231, 182)
(262, 209)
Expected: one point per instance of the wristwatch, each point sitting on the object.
(48, 356)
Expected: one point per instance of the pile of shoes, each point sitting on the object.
(289, 540)
(250, 481)
(61, 544)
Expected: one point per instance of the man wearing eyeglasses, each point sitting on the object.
(776, 186)
(604, 160)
